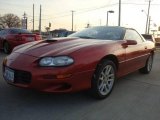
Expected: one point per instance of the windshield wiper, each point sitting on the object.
(86, 37)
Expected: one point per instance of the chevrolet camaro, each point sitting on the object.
(91, 59)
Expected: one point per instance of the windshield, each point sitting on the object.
(102, 32)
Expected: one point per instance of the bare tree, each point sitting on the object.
(10, 20)
(1, 25)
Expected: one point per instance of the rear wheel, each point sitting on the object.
(104, 79)
(148, 66)
(6, 47)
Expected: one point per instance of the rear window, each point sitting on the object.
(19, 31)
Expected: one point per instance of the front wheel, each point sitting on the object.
(103, 79)
(148, 66)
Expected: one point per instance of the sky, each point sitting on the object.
(93, 12)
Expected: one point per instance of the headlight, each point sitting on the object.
(56, 61)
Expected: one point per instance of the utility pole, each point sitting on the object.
(33, 17)
(119, 17)
(148, 17)
(24, 21)
(107, 19)
(40, 20)
(149, 24)
(72, 18)
(110, 11)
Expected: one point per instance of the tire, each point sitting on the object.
(148, 66)
(6, 48)
(103, 79)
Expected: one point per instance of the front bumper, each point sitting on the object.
(29, 75)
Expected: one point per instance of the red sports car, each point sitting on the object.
(91, 59)
(11, 37)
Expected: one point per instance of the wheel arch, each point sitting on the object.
(111, 57)
(95, 80)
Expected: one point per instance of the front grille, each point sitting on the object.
(22, 77)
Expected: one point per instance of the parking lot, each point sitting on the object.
(135, 97)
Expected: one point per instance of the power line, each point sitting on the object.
(79, 11)
(83, 11)
(140, 4)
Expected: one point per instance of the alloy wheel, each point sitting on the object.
(106, 80)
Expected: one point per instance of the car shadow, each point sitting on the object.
(31, 103)
(67, 98)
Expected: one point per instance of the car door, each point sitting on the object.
(136, 55)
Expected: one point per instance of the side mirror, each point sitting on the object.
(130, 42)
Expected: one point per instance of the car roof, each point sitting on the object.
(120, 27)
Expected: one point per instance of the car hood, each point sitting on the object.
(57, 46)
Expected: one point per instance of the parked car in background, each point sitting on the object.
(66, 33)
(11, 37)
(91, 59)
(60, 33)
(157, 42)
(149, 37)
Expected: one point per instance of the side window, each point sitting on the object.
(2, 32)
(6, 32)
(133, 35)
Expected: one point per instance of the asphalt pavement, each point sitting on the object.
(135, 97)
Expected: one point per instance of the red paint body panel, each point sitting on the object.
(86, 53)
(39, 80)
